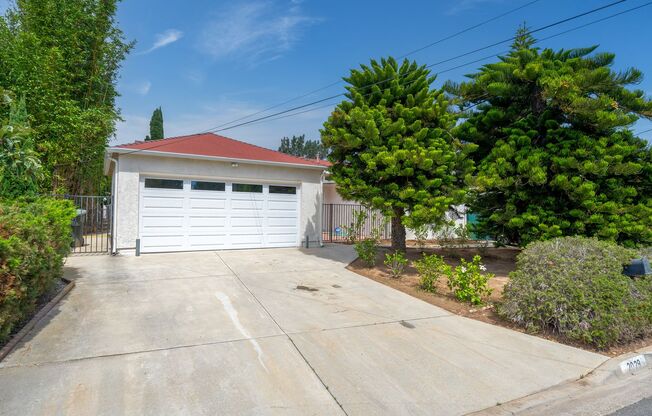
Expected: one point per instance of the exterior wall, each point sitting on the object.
(132, 167)
(331, 196)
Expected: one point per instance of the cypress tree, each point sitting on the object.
(156, 126)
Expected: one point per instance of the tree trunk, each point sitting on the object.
(398, 231)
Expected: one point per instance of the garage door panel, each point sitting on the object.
(187, 219)
(208, 241)
(165, 202)
(162, 242)
(283, 205)
(207, 221)
(162, 221)
(281, 221)
(208, 203)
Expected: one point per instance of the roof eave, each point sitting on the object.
(126, 151)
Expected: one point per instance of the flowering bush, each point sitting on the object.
(396, 263)
(575, 287)
(468, 283)
(430, 269)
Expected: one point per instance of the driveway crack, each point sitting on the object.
(314, 371)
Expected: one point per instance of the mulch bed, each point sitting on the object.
(499, 261)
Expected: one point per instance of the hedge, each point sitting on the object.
(574, 287)
(35, 237)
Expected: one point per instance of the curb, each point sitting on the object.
(605, 374)
(9, 347)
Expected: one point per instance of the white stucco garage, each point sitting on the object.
(207, 192)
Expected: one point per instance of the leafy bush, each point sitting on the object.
(367, 250)
(574, 286)
(430, 269)
(354, 230)
(396, 263)
(34, 239)
(468, 283)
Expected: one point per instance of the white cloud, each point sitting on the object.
(464, 5)
(164, 39)
(254, 32)
(144, 88)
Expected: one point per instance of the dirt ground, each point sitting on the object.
(499, 261)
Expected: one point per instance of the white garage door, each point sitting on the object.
(184, 215)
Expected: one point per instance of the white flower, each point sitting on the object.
(463, 269)
(483, 268)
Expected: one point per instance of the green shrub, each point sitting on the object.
(430, 269)
(468, 283)
(35, 237)
(367, 250)
(396, 263)
(574, 286)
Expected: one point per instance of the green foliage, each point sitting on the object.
(574, 287)
(396, 263)
(63, 58)
(555, 153)
(20, 167)
(299, 146)
(156, 126)
(34, 239)
(468, 282)
(391, 148)
(367, 250)
(355, 229)
(430, 269)
(421, 235)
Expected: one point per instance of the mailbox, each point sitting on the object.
(638, 267)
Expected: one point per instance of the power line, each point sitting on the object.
(548, 26)
(465, 30)
(285, 114)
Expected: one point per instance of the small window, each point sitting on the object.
(206, 186)
(274, 189)
(163, 183)
(247, 187)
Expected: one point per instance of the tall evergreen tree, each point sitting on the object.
(556, 153)
(299, 146)
(156, 126)
(63, 57)
(391, 147)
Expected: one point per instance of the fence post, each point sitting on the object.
(330, 223)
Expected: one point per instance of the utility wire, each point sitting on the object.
(456, 34)
(548, 26)
(285, 114)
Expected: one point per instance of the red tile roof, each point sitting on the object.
(210, 144)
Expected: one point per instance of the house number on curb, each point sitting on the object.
(633, 364)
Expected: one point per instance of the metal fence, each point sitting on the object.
(338, 223)
(91, 228)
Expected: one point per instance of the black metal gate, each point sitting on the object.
(91, 228)
(338, 223)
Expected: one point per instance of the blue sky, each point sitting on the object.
(207, 63)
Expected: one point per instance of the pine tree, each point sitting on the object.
(391, 148)
(156, 126)
(556, 153)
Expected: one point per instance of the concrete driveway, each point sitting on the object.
(280, 331)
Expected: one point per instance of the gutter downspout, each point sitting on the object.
(114, 210)
(320, 239)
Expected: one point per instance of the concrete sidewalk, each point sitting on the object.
(281, 331)
(605, 391)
